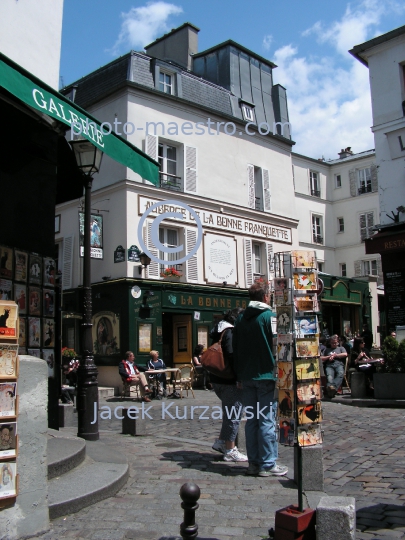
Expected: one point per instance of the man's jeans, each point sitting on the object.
(261, 440)
(334, 372)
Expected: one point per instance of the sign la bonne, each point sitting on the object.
(224, 222)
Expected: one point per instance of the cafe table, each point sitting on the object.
(167, 370)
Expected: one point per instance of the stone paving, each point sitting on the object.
(364, 457)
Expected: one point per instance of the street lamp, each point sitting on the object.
(145, 261)
(88, 159)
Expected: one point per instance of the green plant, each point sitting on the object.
(401, 357)
(68, 353)
(390, 352)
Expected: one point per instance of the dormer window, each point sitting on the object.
(248, 113)
(166, 82)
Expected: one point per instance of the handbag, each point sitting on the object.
(214, 362)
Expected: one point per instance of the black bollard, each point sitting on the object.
(189, 493)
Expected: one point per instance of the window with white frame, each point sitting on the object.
(364, 180)
(166, 82)
(168, 162)
(259, 188)
(341, 224)
(170, 239)
(248, 113)
(369, 268)
(257, 259)
(317, 229)
(343, 269)
(338, 181)
(315, 185)
(366, 223)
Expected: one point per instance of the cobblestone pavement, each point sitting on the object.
(364, 457)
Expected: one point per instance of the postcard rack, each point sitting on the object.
(9, 371)
(295, 299)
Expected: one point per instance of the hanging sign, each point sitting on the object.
(119, 254)
(134, 254)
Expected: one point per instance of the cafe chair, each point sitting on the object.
(345, 383)
(184, 379)
(128, 390)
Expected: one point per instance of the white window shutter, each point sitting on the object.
(67, 272)
(374, 178)
(353, 182)
(248, 262)
(192, 263)
(152, 271)
(370, 223)
(270, 260)
(151, 146)
(190, 169)
(363, 227)
(251, 186)
(357, 268)
(266, 190)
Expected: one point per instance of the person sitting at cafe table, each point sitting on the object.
(132, 376)
(334, 362)
(157, 363)
(361, 361)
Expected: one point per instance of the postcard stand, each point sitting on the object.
(299, 390)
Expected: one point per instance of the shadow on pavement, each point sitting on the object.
(384, 516)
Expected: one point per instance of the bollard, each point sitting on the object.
(189, 493)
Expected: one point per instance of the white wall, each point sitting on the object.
(30, 34)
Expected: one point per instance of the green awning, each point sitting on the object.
(35, 93)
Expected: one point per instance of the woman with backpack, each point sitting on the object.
(225, 389)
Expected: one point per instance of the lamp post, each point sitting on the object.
(88, 159)
(145, 262)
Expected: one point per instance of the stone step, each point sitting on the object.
(64, 453)
(105, 392)
(103, 472)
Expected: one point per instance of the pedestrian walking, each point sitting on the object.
(254, 365)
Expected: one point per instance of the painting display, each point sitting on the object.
(21, 265)
(306, 326)
(286, 403)
(8, 320)
(7, 398)
(8, 360)
(34, 332)
(309, 435)
(34, 301)
(6, 262)
(305, 281)
(8, 433)
(282, 291)
(106, 333)
(309, 414)
(8, 473)
(22, 331)
(306, 302)
(20, 296)
(6, 289)
(284, 319)
(285, 375)
(307, 368)
(35, 269)
(309, 391)
(307, 347)
(286, 431)
(303, 259)
(49, 302)
(284, 347)
(49, 272)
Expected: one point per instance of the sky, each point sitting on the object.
(328, 90)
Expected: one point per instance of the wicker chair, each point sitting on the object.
(128, 389)
(184, 379)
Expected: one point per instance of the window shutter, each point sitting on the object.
(380, 277)
(266, 189)
(190, 169)
(152, 271)
(192, 263)
(151, 146)
(363, 227)
(357, 268)
(270, 261)
(248, 262)
(374, 178)
(353, 183)
(67, 262)
(370, 223)
(251, 186)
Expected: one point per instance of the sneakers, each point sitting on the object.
(234, 455)
(252, 470)
(219, 446)
(331, 391)
(277, 470)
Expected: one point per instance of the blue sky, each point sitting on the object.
(328, 91)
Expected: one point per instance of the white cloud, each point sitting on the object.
(144, 24)
(267, 41)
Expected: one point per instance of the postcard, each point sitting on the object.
(8, 361)
(284, 347)
(21, 265)
(285, 375)
(308, 414)
(8, 434)
(7, 398)
(306, 326)
(22, 332)
(309, 391)
(34, 352)
(49, 356)
(282, 298)
(8, 319)
(308, 347)
(305, 282)
(6, 262)
(306, 303)
(6, 289)
(307, 368)
(286, 403)
(48, 336)
(303, 259)
(49, 302)
(34, 305)
(20, 296)
(284, 319)
(8, 472)
(286, 431)
(309, 435)
(49, 272)
(34, 332)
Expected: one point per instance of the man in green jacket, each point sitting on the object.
(255, 369)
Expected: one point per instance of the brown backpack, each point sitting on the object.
(214, 362)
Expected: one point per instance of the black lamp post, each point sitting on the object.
(145, 261)
(88, 159)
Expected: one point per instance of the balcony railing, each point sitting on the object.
(317, 238)
(364, 189)
(170, 181)
(315, 193)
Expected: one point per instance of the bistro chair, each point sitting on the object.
(345, 382)
(128, 389)
(184, 379)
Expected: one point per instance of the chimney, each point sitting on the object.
(344, 153)
(177, 46)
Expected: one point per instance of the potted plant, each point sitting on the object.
(389, 382)
(68, 354)
(171, 274)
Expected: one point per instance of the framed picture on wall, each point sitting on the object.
(20, 297)
(6, 262)
(48, 332)
(6, 289)
(144, 337)
(49, 302)
(49, 272)
(21, 265)
(34, 305)
(8, 473)
(35, 269)
(34, 332)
